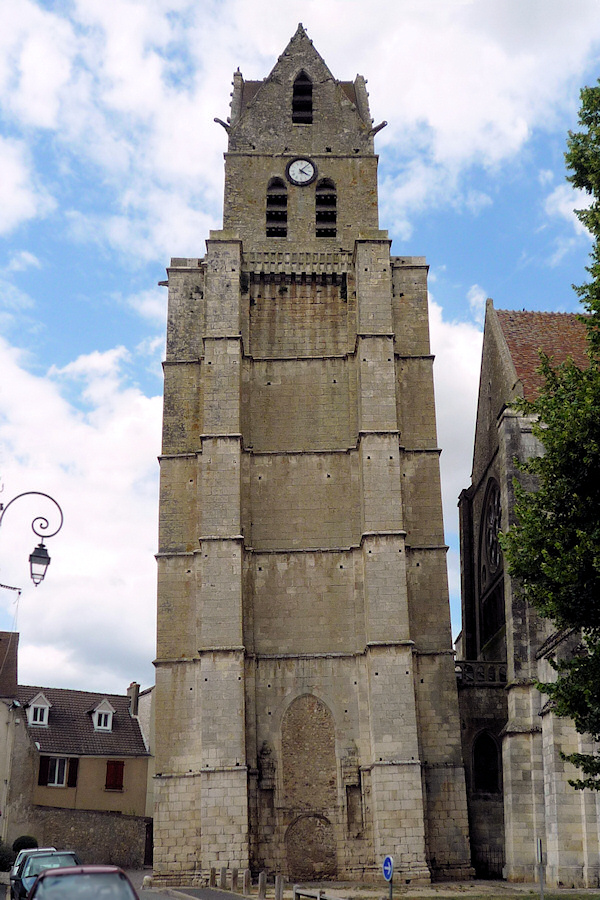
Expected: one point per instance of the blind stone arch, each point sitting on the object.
(309, 768)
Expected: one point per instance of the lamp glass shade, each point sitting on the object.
(38, 563)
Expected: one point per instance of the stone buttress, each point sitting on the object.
(307, 717)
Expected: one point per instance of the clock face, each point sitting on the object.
(301, 171)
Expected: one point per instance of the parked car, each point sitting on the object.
(83, 883)
(23, 853)
(32, 865)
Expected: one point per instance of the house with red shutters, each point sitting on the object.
(76, 765)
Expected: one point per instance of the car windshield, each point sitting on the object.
(29, 852)
(85, 886)
(37, 864)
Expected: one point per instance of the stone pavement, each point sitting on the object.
(446, 890)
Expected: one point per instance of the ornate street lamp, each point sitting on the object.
(39, 559)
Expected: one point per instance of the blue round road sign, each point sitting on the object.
(388, 868)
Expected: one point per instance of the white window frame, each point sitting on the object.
(39, 715)
(103, 721)
(57, 769)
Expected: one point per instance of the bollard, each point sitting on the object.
(223, 879)
(247, 882)
(262, 885)
(234, 880)
(278, 887)
(213, 877)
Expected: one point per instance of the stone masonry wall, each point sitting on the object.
(301, 562)
(97, 837)
(300, 404)
(302, 501)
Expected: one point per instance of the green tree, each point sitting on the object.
(553, 550)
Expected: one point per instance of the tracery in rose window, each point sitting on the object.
(493, 522)
(491, 584)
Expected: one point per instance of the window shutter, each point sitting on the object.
(43, 773)
(72, 775)
(114, 775)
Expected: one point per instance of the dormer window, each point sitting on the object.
(302, 105)
(39, 715)
(38, 711)
(102, 716)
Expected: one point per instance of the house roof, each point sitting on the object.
(559, 335)
(70, 730)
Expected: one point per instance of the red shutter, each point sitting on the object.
(114, 775)
(72, 775)
(43, 773)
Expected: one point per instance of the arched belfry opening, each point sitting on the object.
(325, 208)
(302, 100)
(276, 208)
(309, 781)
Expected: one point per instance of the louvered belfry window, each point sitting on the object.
(276, 208)
(302, 104)
(326, 208)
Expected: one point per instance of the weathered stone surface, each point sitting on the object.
(306, 698)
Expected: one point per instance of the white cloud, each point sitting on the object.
(457, 349)
(562, 203)
(92, 620)
(151, 305)
(477, 298)
(20, 198)
(562, 247)
(12, 298)
(36, 52)
(131, 89)
(21, 261)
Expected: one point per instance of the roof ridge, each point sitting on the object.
(541, 312)
(37, 687)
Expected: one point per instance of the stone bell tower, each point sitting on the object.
(307, 718)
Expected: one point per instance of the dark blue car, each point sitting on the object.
(31, 866)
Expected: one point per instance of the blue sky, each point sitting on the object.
(111, 163)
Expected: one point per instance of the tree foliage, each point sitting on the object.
(554, 549)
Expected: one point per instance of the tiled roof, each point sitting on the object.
(559, 335)
(70, 729)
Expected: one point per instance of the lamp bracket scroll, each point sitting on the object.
(39, 559)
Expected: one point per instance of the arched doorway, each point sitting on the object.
(310, 849)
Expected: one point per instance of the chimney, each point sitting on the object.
(133, 692)
(9, 645)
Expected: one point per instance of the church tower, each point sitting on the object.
(306, 705)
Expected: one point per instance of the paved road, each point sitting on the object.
(137, 877)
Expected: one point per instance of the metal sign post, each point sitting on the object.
(388, 872)
(540, 860)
